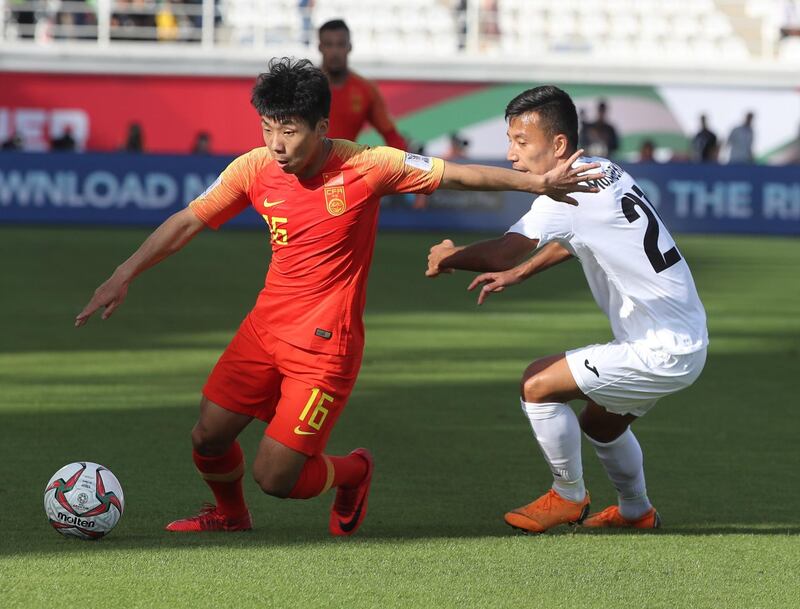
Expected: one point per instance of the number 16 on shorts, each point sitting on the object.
(315, 411)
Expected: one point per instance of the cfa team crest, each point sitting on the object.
(335, 201)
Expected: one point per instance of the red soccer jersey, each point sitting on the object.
(322, 232)
(356, 102)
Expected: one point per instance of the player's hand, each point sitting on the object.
(494, 282)
(110, 295)
(564, 179)
(439, 252)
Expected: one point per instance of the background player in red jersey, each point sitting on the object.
(355, 101)
(295, 358)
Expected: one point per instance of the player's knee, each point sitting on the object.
(534, 389)
(205, 442)
(535, 386)
(273, 483)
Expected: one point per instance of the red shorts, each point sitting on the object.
(299, 393)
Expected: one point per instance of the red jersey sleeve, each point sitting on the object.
(228, 195)
(391, 171)
(380, 119)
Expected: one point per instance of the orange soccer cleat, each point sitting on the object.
(548, 511)
(211, 519)
(350, 506)
(610, 518)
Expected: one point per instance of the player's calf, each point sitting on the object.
(275, 484)
(277, 468)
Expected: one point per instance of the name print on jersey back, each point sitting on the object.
(632, 265)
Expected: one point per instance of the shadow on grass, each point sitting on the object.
(450, 460)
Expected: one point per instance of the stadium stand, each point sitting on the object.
(683, 29)
(691, 41)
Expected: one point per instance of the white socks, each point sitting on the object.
(559, 435)
(623, 462)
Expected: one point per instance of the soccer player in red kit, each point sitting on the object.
(355, 101)
(296, 355)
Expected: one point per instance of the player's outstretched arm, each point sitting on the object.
(492, 255)
(556, 183)
(175, 232)
(550, 255)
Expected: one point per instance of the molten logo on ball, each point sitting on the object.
(83, 500)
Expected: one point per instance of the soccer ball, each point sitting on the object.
(83, 500)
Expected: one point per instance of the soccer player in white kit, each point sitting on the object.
(639, 279)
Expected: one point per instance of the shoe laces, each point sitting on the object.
(545, 501)
(345, 500)
(208, 514)
(610, 514)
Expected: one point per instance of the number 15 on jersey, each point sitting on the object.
(278, 234)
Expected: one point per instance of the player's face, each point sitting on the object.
(334, 46)
(530, 149)
(293, 143)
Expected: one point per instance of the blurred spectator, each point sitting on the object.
(66, 26)
(489, 21)
(790, 25)
(704, 144)
(12, 143)
(202, 143)
(25, 19)
(305, 7)
(166, 23)
(63, 143)
(354, 100)
(601, 136)
(740, 142)
(458, 148)
(134, 142)
(133, 20)
(647, 152)
(583, 121)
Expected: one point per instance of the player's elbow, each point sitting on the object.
(510, 250)
(187, 222)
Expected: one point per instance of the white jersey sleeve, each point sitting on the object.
(546, 221)
(634, 269)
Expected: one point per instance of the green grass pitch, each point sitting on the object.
(437, 404)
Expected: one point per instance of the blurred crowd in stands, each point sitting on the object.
(133, 143)
(599, 137)
(181, 20)
(131, 20)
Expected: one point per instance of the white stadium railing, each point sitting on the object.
(701, 40)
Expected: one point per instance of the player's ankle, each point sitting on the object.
(574, 491)
(633, 509)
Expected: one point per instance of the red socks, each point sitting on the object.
(224, 475)
(321, 472)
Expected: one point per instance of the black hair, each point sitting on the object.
(292, 88)
(333, 25)
(555, 108)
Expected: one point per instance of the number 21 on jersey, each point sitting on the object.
(659, 262)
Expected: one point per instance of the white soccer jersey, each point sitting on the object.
(636, 273)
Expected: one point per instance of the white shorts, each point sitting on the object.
(628, 378)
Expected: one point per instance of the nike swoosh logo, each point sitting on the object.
(273, 203)
(300, 432)
(351, 524)
(591, 368)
